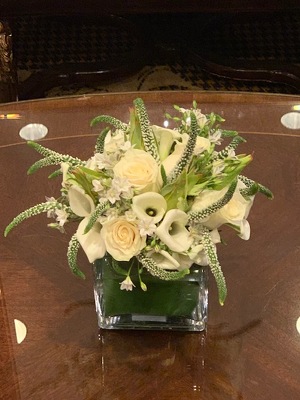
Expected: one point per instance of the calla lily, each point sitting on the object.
(64, 167)
(165, 138)
(164, 260)
(91, 242)
(173, 233)
(184, 261)
(244, 230)
(149, 205)
(80, 203)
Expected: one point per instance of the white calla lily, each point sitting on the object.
(91, 242)
(80, 203)
(173, 233)
(165, 138)
(64, 167)
(164, 260)
(149, 205)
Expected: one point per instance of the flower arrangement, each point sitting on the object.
(151, 193)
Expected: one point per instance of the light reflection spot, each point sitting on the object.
(291, 120)
(298, 325)
(33, 132)
(21, 330)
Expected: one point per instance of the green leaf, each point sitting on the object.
(135, 133)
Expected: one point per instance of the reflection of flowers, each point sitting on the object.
(156, 194)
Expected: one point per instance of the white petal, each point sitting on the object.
(173, 233)
(164, 260)
(245, 230)
(81, 204)
(91, 242)
(142, 203)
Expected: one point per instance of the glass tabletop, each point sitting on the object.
(50, 345)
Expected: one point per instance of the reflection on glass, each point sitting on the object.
(33, 132)
(166, 123)
(298, 325)
(162, 357)
(21, 331)
(10, 116)
(291, 120)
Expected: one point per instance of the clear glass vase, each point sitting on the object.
(178, 304)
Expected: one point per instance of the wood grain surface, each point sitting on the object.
(251, 349)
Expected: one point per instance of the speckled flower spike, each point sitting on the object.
(147, 133)
(35, 210)
(199, 216)
(51, 158)
(210, 251)
(188, 151)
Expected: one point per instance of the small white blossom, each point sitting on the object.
(215, 137)
(112, 195)
(106, 161)
(120, 184)
(126, 146)
(97, 185)
(130, 215)
(50, 213)
(147, 227)
(61, 216)
(218, 167)
(127, 284)
(110, 214)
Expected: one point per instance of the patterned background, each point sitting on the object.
(160, 47)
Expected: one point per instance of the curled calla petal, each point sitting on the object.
(184, 261)
(244, 230)
(64, 167)
(164, 260)
(92, 243)
(173, 233)
(81, 204)
(149, 205)
(165, 138)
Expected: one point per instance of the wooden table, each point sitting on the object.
(251, 349)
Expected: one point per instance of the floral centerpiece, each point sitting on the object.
(152, 200)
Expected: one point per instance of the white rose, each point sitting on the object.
(122, 239)
(141, 170)
(235, 212)
(170, 162)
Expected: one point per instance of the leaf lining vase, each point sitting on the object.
(175, 304)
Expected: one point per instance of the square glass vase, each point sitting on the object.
(166, 305)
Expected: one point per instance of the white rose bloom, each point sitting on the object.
(172, 231)
(122, 239)
(235, 212)
(141, 170)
